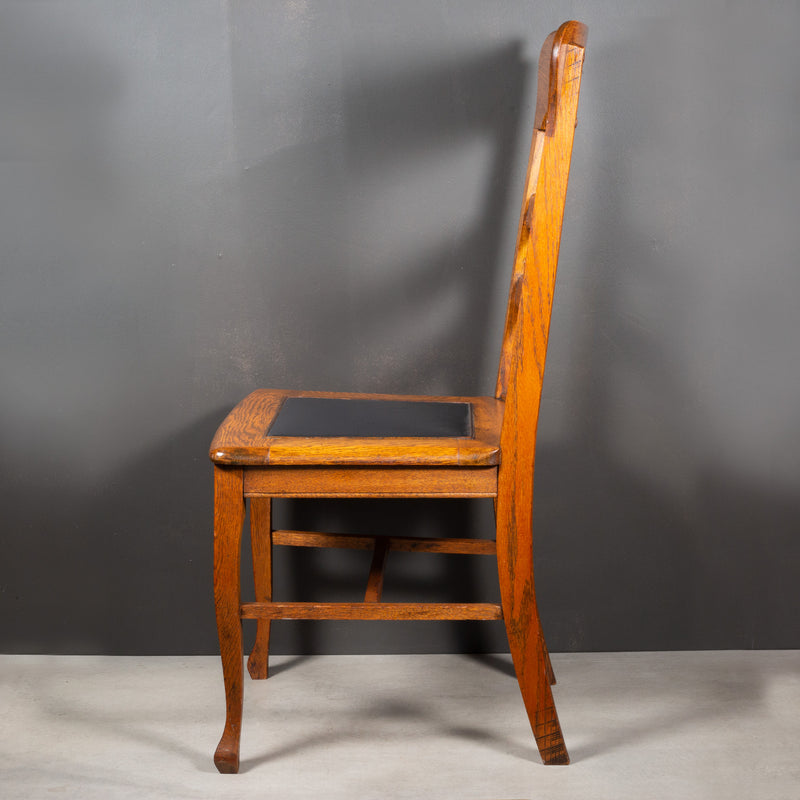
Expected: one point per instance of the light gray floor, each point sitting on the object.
(638, 725)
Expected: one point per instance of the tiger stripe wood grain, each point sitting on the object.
(497, 461)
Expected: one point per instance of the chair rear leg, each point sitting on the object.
(534, 683)
(228, 521)
(528, 651)
(548, 665)
(261, 544)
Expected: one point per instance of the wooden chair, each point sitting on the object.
(316, 444)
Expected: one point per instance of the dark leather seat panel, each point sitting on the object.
(333, 417)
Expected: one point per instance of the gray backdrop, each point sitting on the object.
(198, 199)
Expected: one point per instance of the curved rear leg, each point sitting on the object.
(228, 521)
(521, 617)
(548, 665)
(261, 545)
(534, 683)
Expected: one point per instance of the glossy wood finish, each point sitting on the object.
(496, 461)
(242, 439)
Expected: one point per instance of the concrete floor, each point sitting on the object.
(638, 725)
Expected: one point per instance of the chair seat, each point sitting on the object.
(275, 427)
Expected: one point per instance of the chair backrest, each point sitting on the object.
(519, 380)
(530, 299)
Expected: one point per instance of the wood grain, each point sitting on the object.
(228, 521)
(373, 611)
(520, 383)
(379, 481)
(242, 438)
(407, 544)
(261, 546)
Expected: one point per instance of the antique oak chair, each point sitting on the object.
(289, 444)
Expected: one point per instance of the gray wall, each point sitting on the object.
(198, 199)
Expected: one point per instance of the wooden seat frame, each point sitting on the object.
(496, 461)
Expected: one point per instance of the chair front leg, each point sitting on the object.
(261, 545)
(228, 522)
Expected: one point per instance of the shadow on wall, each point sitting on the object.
(120, 561)
(651, 533)
(371, 275)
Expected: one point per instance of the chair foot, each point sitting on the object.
(520, 614)
(226, 757)
(549, 739)
(534, 683)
